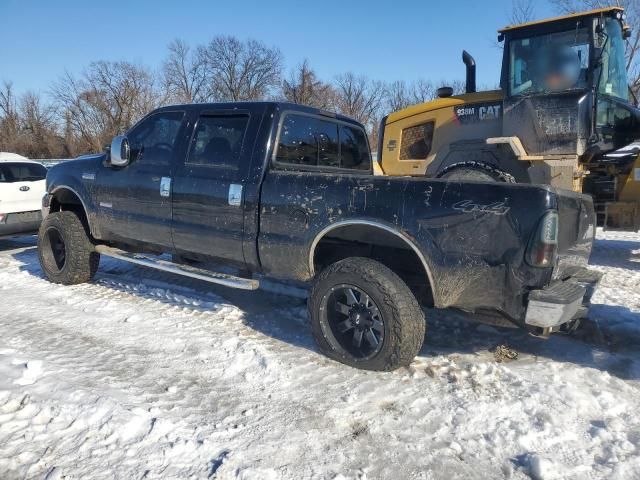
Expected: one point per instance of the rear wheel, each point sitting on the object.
(364, 315)
(65, 251)
(476, 172)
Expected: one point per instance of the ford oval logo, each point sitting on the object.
(24, 188)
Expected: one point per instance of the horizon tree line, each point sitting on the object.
(82, 112)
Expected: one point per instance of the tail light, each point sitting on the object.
(3, 217)
(543, 247)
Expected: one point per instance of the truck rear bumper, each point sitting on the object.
(562, 301)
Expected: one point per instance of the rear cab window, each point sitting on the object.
(11, 172)
(310, 142)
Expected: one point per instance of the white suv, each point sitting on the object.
(22, 186)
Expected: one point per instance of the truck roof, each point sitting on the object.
(587, 13)
(275, 105)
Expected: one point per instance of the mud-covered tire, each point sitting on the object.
(476, 172)
(403, 320)
(65, 251)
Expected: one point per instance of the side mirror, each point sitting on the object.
(120, 151)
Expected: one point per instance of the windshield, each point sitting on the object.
(613, 80)
(553, 62)
(21, 172)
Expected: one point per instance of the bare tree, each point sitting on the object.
(38, 127)
(28, 125)
(459, 87)
(422, 91)
(522, 11)
(9, 118)
(241, 70)
(105, 100)
(184, 74)
(397, 96)
(304, 87)
(359, 97)
(400, 95)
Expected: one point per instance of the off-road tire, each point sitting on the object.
(80, 258)
(476, 172)
(404, 320)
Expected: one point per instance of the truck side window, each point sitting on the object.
(416, 142)
(354, 149)
(217, 140)
(152, 141)
(314, 142)
(310, 141)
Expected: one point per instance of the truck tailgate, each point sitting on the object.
(576, 230)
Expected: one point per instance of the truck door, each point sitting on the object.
(208, 189)
(134, 202)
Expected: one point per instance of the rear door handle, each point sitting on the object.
(165, 186)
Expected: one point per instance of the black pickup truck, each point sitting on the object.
(281, 190)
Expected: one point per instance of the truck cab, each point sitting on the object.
(191, 180)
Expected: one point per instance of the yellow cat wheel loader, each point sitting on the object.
(562, 117)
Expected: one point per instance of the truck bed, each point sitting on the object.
(473, 235)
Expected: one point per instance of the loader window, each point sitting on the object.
(614, 66)
(552, 62)
(615, 123)
(416, 142)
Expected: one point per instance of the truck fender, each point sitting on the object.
(374, 224)
(79, 192)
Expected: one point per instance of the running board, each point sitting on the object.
(184, 270)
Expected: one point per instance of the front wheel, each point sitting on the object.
(65, 251)
(362, 314)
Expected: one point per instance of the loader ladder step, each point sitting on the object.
(184, 270)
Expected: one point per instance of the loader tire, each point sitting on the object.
(475, 172)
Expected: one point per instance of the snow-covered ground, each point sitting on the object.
(144, 375)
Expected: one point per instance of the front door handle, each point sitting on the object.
(235, 195)
(165, 186)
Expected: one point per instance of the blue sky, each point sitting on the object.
(387, 40)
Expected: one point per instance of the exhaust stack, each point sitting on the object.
(470, 63)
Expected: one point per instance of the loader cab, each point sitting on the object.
(565, 83)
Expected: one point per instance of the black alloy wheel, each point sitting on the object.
(354, 321)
